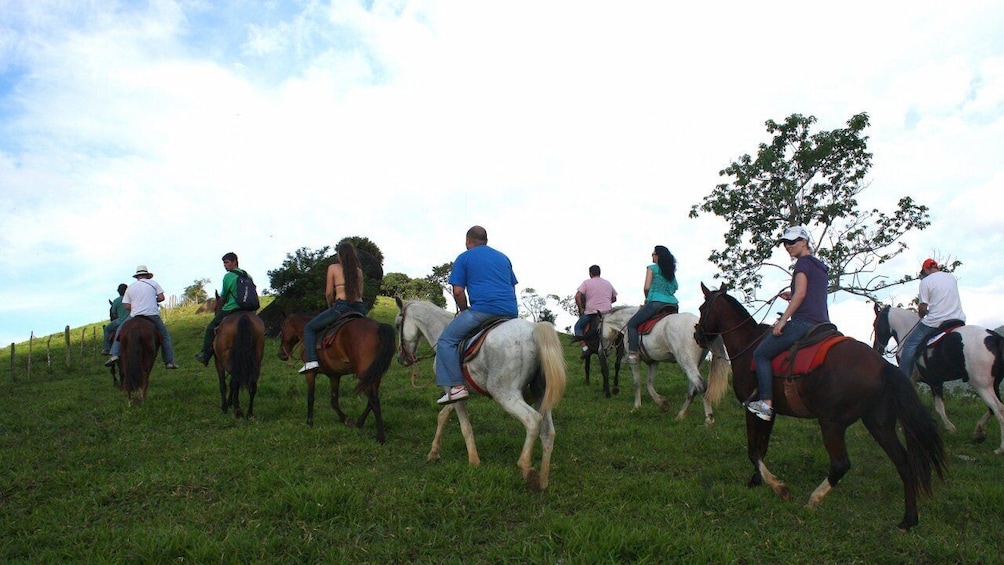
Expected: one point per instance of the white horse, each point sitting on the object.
(968, 353)
(672, 339)
(518, 358)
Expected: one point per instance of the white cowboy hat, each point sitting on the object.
(140, 271)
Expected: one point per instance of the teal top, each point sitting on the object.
(121, 312)
(661, 289)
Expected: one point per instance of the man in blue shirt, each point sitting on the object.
(484, 276)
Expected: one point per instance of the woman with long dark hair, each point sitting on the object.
(343, 291)
(660, 292)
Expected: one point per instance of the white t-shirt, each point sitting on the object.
(142, 297)
(940, 291)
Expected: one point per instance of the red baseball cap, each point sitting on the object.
(929, 264)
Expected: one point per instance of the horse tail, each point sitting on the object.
(718, 376)
(244, 364)
(132, 362)
(386, 348)
(924, 448)
(552, 364)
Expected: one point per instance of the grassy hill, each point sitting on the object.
(86, 478)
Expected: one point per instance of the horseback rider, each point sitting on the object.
(118, 314)
(142, 298)
(484, 275)
(343, 292)
(660, 292)
(939, 303)
(594, 296)
(228, 294)
(806, 308)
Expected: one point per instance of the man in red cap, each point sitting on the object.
(939, 302)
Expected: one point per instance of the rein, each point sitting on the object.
(410, 355)
(700, 325)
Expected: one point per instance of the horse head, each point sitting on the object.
(406, 355)
(881, 328)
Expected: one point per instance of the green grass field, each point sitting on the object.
(86, 478)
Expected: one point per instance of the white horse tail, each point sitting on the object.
(552, 364)
(718, 376)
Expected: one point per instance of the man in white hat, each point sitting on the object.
(142, 298)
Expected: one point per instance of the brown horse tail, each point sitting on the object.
(924, 448)
(134, 349)
(552, 364)
(244, 364)
(386, 348)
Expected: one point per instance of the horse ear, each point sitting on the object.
(217, 293)
(704, 289)
(876, 308)
(724, 288)
(400, 305)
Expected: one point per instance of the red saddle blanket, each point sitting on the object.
(806, 358)
(645, 327)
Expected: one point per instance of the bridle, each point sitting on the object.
(408, 358)
(282, 341)
(703, 336)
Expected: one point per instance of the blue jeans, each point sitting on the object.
(111, 330)
(644, 313)
(912, 346)
(448, 372)
(771, 346)
(166, 349)
(582, 322)
(323, 320)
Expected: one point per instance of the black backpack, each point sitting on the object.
(246, 293)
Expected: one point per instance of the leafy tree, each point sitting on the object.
(441, 276)
(534, 306)
(299, 282)
(810, 179)
(406, 288)
(196, 292)
(568, 305)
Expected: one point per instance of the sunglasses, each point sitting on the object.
(791, 241)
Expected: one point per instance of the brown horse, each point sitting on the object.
(139, 341)
(239, 346)
(361, 346)
(853, 383)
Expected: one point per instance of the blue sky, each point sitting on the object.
(167, 133)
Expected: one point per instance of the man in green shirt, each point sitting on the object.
(229, 297)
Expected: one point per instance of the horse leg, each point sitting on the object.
(374, 402)
(585, 365)
(311, 381)
(881, 424)
(532, 421)
(840, 463)
(980, 431)
(637, 387)
(938, 392)
(468, 432)
(252, 390)
(336, 383)
(437, 441)
(224, 405)
(757, 441)
(660, 400)
(235, 400)
(547, 446)
(605, 371)
(994, 404)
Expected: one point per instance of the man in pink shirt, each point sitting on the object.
(595, 296)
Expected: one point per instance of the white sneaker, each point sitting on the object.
(309, 366)
(631, 359)
(458, 392)
(761, 410)
(111, 360)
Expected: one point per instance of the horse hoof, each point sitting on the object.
(979, 439)
(533, 481)
(350, 422)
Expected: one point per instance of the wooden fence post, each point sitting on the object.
(13, 377)
(31, 346)
(66, 338)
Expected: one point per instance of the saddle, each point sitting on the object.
(807, 353)
(471, 346)
(646, 327)
(946, 327)
(327, 335)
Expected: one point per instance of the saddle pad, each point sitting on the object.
(806, 359)
(645, 327)
(941, 335)
(328, 334)
(472, 345)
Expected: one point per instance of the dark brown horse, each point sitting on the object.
(361, 346)
(239, 346)
(139, 341)
(853, 383)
